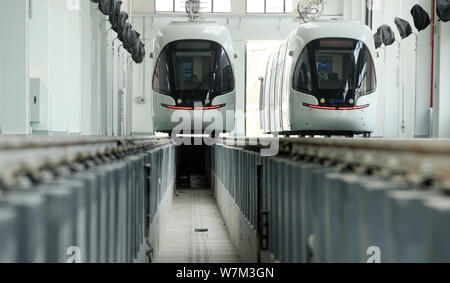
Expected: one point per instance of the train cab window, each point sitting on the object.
(340, 69)
(225, 81)
(161, 76)
(197, 70)
(302, 73)
(193, 69)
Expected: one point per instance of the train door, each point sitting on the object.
(285, 118)
(267, 94)
(279, 87)
(262, 99)
(272, 91)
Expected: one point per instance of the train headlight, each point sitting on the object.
(351, 101)
(322, 100)
(179, 101)
(207, 101)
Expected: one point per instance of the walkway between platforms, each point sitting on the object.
(196, 209)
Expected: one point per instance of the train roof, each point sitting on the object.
(334, 29)
(194, 30)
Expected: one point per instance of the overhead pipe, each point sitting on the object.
(401, 87)
(433, 28)
(144, 65)
(105, 21)
(113, 132)
(416, 37)
(120, 87)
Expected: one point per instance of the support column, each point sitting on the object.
(39, 62)
(442, 95)
(240, 47)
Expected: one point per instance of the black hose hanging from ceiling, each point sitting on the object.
(386, 34)
(421, 17)
(443, 10)
(404, 28)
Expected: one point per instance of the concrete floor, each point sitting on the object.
(192, 209)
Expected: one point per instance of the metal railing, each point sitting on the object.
(337, 200)
(81, 199)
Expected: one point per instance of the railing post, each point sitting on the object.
(262, 216)
(148, 179)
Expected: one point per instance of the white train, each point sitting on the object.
(193, 70)
(321, 81)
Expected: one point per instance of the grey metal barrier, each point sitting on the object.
(330, 201)
(93, 208)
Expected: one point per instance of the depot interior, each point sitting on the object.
(66, 79)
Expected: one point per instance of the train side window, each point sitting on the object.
(267, 94)
(367, 81)
(161, 75)
(225, 79)
(302, 75)
(267, 85)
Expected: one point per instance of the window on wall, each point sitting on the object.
(164, 6)
(369, 13)
(207, 6)
(270, 6)
(222, 6)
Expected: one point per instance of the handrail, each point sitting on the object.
(417, 160)
(31, 155)
(422, 146)
(34, 142)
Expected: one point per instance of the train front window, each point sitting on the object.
(199, 70)
(341, 70)
(193, 69)
(161, 77)
(224, 81)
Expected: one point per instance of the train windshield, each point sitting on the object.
(193, 71)
(336, 71)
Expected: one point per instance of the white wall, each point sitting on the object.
(403, 103)
(14, 82)
(39, 56)
(141, 113)
(64, 60)
(353, 9)
(401, 97)
(89, 106)
(112, 78)
(72, 53)
(334, 7)
(442, 90)
(1, 68)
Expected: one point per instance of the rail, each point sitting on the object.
(417, 160)
(32, 156)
